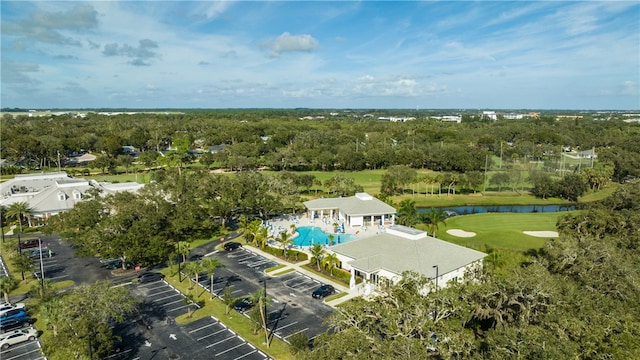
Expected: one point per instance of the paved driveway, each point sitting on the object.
(291, 310)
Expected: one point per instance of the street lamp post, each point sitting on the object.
(437, 275)
(41, 266)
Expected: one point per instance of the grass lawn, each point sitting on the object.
(500, 230)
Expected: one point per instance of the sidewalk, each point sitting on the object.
(299, 268)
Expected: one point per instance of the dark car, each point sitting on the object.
(117, 264)
(13, 314)
(243, 304)
(15, 323)
(230, 246)
(30, 244)
(323, 291)
(150, 277)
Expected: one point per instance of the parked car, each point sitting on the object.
(117, 264)
(150, 277)
(45, 253)
(30, 244)
(243, 304)
(9, 306)
(13, 314)
(106, 262)
(18, 336)
(323, 291)
(15, 323)
(230, 246)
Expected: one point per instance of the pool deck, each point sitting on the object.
(284, 222)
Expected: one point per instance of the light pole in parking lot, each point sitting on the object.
(41, 265)
(436, 267)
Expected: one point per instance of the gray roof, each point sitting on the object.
(397, 254)
(361, 204)
(56, 192)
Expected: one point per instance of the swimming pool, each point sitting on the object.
(309, 235)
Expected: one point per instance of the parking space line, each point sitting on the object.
(221, 341)
(163, 298)
(245, 355)
(178, 308)
(279, 329)
(212, 334)
(159, 293)
(202, 327)
(233, 348)
(258, 263)
(172, 302)
(17, 356)
(297, 332)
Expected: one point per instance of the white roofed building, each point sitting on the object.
(383, 258)
(51, 193)
(359, 210)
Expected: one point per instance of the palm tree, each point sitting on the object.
(407, 214)
(285, 240)
(293, 228)
(261, 237)
(433, 218)
(331, 238)
(183, 249)
(243, 223)
(7, 285)
(211, 264)
(330, 260)
(316, 251)
(194, 268)
(18, 211)
(251, 229)
(260, 298)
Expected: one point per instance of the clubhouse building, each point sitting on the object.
(383, 258)
(361, 209)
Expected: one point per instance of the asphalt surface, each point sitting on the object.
(291, 309)
(153, 334)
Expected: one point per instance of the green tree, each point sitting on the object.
(19, 211)
(193, 269)
(571, 187)
(285, 241)
(407, 213)
(433, 218)
(330, 261)
(499, 179)
(228, 299)
(317, 250)
(23, 263)
(81, 314)
(211, 264)
(7, 285)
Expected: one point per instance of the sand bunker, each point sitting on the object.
(461, 233)
(546, 234)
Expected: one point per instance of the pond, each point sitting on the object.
(479, 209)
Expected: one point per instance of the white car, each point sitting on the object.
(18, 336)
(4, 307)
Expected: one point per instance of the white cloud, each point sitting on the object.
(287, 42)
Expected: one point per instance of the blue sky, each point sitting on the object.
(321, 54)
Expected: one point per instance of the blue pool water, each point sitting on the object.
(309, 235)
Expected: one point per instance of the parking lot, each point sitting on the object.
(291, 309)
(23, 351)
(202, 339)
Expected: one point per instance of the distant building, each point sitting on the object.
(490, 115)
(52, 193)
